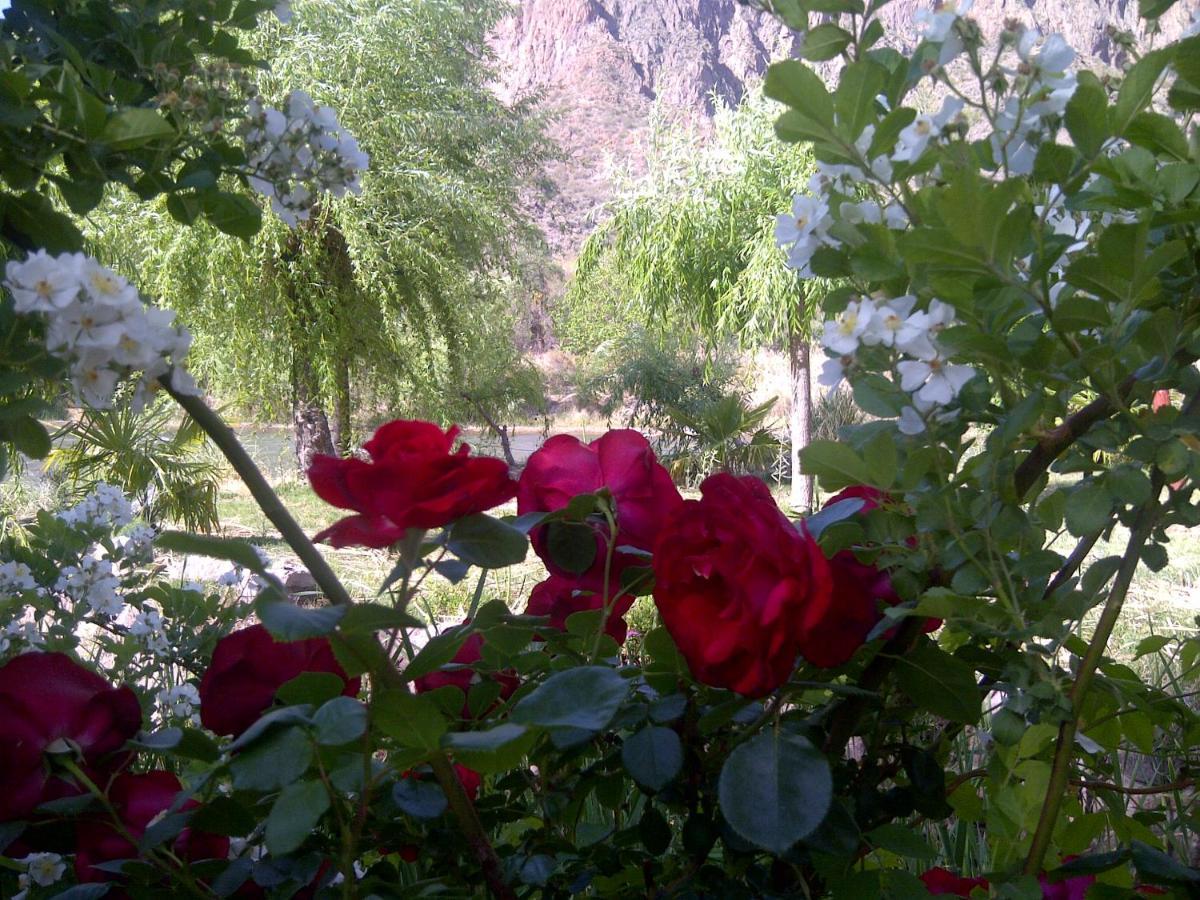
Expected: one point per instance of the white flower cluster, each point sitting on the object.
(105, 507)
(16, 579)
(937, 27)
(924, 370)
(148, 625)
(23, 632)
(179, 702)
(98, 324)
(138, 543)
(94, 583)
(299, 154)
(41, 869)
(1028, 120)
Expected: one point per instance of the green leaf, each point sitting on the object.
(586, 697)
(274, 762)
(796, 85)
(901, 840)
(295, 815)
(1159, 134)
(224, 815)
(438, 651)
(487, 542)
(825, 42)
(413, 719)
(653, 757)
(30, 437)
(232, 213)
(1156, 867)
(419, 799)
(288, 622)
(836, 465)
(1054, 163)
(775, 789)
(231, 550)
(1088, 510)
(1086, 115)
(860, 83)
(367, 618)
(939, 683)
(571, 545)
(132, 128)
(340, 721)
(313, 688)
(1137, 89)
(493, 750)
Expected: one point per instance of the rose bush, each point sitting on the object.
(1013, 281)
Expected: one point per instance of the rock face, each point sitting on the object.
(604, 67)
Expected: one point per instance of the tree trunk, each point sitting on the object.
(310, 426)
(803, 494)
(501, 431)
(341, 408)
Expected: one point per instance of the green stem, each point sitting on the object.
(1060, 769)
(222, 435)
(472, 828)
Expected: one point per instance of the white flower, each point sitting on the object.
(138, 542)
(44, 868)
(180, 702)
(910, 421)
(92, 582)
(1193, 25)
(232, 578)
(104, 507)
(888, 321)
(934, 24)
(810, 216)
(41, 283)
(15, 579)
(895, 217)
(867, 211)
(1055, 55)
(148, 625)
(834, 370)
(842, 333)
(914, 139)
(934, 380)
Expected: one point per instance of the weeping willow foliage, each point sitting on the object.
(411, 284)
(693, 241)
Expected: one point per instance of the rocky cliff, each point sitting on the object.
(604, 67)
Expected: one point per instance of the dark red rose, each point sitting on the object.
(138, 800)
(412, 481)
(463, 676)
(46, 698)
(559, 597)
(1069, 888)
(858, 589)
(471, 780)
(736, 583)
(871, 497)
(249, 666)
(939, 881)
(622, 461)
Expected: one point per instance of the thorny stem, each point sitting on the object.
(1064, 750)
(222, 435)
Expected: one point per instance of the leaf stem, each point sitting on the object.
(472, 828)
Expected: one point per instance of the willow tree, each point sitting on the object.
(694, 241)
(378, 300)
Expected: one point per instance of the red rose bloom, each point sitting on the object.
(559, 597)
(1068, 889)
(858, 589)
(939, 881)
(138, 801)
(48, 697)
(621, 461)
(736, 585)
(463, 676)
(249, 666)
(412, 481)
(871, 497)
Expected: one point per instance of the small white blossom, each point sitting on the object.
(180, 702)
(888, 321)
(934, 380)
(149, 627)
(15, 579)
(44, 869)
(92, 582)
(842, 333)
(105, 507)
(834, 370)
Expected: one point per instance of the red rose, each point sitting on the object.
(412, 481)
(939, 881)
(1068, 889)
(736, 583)
(622, 461)
(138, 800)
(46, 698)
(833, 638)
(559, 597)
(249, 666)
(463, 676)
(871, 497)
